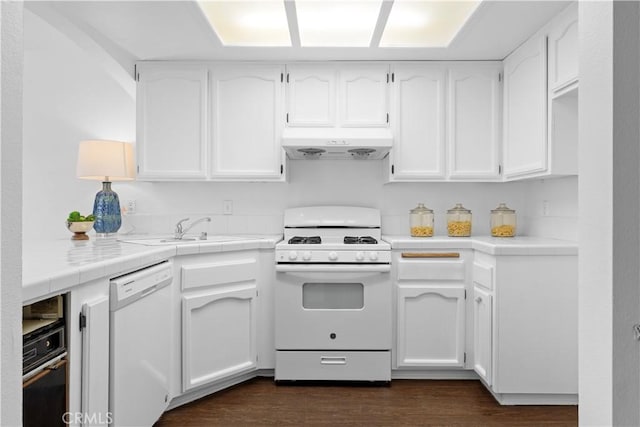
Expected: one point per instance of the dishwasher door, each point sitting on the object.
(140, 349)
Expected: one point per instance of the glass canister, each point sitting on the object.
(459, 221)
(421, 221)
(503, 221)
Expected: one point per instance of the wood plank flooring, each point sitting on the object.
(260, 402)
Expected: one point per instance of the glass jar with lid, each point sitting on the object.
(421, 221)
(503, 221)
(459, 221)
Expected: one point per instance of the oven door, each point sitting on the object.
(333, 307)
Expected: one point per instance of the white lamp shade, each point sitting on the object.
(105, 160)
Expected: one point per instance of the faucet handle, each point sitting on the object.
(179, 225)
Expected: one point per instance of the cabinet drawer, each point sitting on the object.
(210, 274)
(333, 365)
(483, 275)
(431, 269)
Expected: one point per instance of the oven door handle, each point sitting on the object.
(333, 268)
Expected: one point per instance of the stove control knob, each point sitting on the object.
(359, 256)
(373, 256)
(333, 256)
(306, 255)
(293, 255)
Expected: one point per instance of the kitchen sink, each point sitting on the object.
(158, 241)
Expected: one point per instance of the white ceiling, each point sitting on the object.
(177, 30)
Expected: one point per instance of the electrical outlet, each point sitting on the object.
(130, 206)
(227, 207)
(545, 208)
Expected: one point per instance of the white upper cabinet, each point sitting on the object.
(311, 95)
(473, 121)
(172, 122)
(363, 94)
(418, 122)
(525, 110)
(329, 95)
(247, 122)
(564, 50)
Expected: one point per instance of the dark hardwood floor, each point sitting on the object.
(260, 402)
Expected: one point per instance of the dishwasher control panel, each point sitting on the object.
(138, 284)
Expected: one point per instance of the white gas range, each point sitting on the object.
(333, 296)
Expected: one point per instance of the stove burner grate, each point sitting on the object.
(309, 240)
(363, 240)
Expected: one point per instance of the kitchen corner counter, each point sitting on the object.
(55, 266)
(519, 245)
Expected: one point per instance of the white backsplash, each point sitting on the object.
(258, 207)
(71, 97)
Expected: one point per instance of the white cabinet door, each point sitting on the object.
(563, 50)
(247, 122)
(418, 122)
(473, 137)
(431, 325)
(218, 334)
(363, 95)
(172, 122)
(311, 95)
(88, 349)
(95, 357)
(482, 333)
(525, 110)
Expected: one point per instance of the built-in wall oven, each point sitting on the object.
(333, 296)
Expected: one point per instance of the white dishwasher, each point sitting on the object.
(140, 347)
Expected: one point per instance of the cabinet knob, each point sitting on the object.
(478, 299)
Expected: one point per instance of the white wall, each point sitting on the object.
(10, 212)
(69, 98)
(609, 225)
(259, 207)
(560, 218)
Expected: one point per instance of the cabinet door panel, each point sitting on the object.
(482, 334)
(525, 107)
(218, 334)
(430, 326)
(311, 95)
(172, 117)
(418, 122)
(95, 357)
(247, 122)
(363, 96)
(473, 122)
(563, 50)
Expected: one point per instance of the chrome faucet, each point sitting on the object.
(180, 231)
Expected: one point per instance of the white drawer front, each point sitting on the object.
(333, 365)
(483, 275)
(211, 274)
(431, 269)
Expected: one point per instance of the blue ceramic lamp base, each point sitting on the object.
(106, 209)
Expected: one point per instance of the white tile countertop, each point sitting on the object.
(519, 245)
(54, 266)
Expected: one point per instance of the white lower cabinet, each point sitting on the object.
(431, 309)
(430, 326)
(88, 348)
(526, 326)
(219, 317)
(482, 333)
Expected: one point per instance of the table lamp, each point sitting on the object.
(106, 161)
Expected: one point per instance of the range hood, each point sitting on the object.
(337, 143)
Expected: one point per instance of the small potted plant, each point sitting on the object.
(79, 225)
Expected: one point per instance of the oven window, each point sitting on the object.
(333, 296)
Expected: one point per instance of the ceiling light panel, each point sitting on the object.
(416, 23)
(341, 23)
(248, 23)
